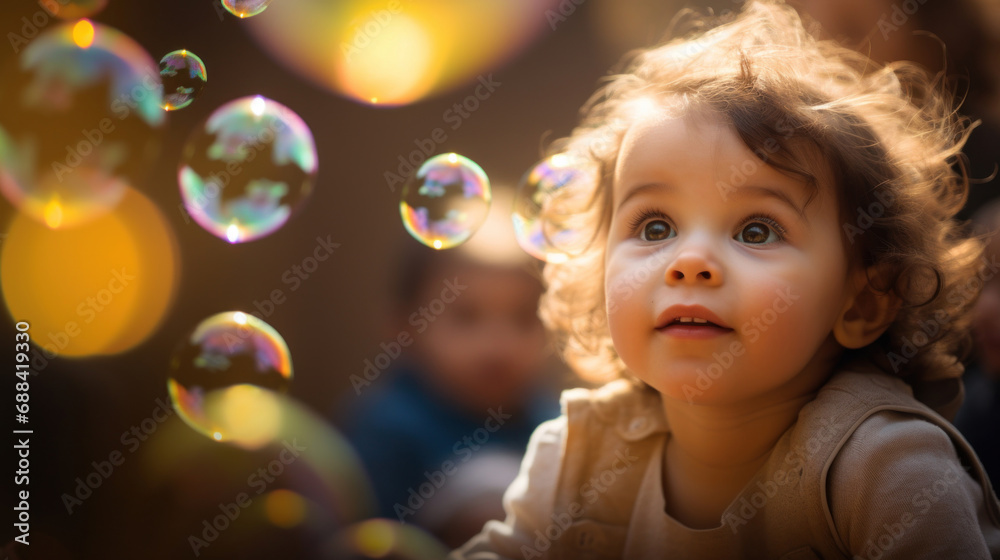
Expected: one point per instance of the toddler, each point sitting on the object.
(777, 289)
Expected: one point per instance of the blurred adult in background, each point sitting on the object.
(979, 418)
(914, 30)
(442, 413)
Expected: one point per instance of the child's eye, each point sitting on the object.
(651, 225)
(760, 230)
(657, 230)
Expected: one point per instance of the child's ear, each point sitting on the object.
(867, 313)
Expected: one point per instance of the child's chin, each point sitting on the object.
(693, 388)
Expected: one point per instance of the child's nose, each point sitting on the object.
(694, 266)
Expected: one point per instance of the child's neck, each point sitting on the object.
(714, 450)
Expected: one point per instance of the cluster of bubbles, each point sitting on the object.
(247, 168)
(244, 172)
(448, 198)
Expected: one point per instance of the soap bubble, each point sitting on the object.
(539, 233)
(79, 122)
(245, 8)
(73, 9)
(247, 169)
(221, 376)
(445, 201)
(184, 77)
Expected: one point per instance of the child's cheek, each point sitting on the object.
(786, 325)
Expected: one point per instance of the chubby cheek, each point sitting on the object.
(786, 322)
(627, 292)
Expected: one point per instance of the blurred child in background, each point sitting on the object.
(466, 386)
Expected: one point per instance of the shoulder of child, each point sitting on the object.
(631, 411)
(897, 488)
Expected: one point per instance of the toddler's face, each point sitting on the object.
(485, 348)
(703, 231)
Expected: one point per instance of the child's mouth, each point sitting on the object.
(685, 321)
(682, 328)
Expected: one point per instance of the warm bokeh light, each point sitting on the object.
(495, 243)
(100, 288)
(83, 34)
(248, 415)
(375, 539)
(382, 538)
(395, 53)
(285, 508)
(342, 485)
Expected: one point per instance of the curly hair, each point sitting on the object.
(890, 136)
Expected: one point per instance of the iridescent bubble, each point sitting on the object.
(538, 231)
(247, 169)
(445, 201)
(79, 120)
(73, 9)
(245, 8)
(221, 377)
(184, 76)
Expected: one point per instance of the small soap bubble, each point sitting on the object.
(221, 373)
(445, 201)
(247, 169)
(538, 232)
(184, 76)
(245, 8)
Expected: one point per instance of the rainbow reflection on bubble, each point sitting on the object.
(445, 201)
(245, 8)
(538, 233)
(221, 375)
(247, 169)
(79, 120)
(184, 76)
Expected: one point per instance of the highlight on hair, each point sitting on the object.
(890, 137)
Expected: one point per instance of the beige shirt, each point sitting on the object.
(867, 471)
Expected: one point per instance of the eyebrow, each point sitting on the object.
(757, 190)
(744, 191)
